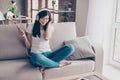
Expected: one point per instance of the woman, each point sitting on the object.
(37, 39)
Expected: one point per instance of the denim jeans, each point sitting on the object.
(51, 59)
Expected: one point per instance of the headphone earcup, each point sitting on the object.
(37, 18)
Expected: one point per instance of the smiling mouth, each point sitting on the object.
(43, 23)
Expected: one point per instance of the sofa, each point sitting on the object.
(14, 60)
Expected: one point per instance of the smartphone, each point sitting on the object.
(18, 28)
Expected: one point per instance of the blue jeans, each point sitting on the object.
(51, 59)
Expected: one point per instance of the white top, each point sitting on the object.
(39, 44)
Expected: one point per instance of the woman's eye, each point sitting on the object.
(45, 19)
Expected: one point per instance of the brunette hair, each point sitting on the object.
(36, 27)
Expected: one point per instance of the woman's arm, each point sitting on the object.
(27, 39)
(48, 32)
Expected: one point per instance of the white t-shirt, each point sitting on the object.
(39, 44)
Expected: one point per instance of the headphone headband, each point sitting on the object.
(37, 17)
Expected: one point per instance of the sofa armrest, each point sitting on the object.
(98, 57)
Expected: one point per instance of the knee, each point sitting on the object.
(36, 56)
(70, 47)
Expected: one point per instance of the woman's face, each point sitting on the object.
(44, 20)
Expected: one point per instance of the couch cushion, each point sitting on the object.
(62, 31)
(77, 67)
(18, 70)
(11, 43)
(83, 49)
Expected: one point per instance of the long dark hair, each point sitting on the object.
(36, 27)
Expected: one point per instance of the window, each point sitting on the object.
(35, 8)
(55, 7)
(59, 9)
(115, 56)
(118, 11)
(35, 5)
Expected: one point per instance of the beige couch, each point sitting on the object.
(14, 63)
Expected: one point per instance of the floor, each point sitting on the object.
(111, 72)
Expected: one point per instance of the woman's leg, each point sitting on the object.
(38, 59)
(42, 59)
(61, 53)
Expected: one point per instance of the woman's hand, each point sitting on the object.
(21, 31)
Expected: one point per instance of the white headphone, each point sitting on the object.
(37, 17)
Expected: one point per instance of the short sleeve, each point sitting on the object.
(29, 28)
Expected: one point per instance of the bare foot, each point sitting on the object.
(65, 63)
(42, 69)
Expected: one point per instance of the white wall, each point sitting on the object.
(99, 23)
(81, 16)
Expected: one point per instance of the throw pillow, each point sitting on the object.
(83, 49)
